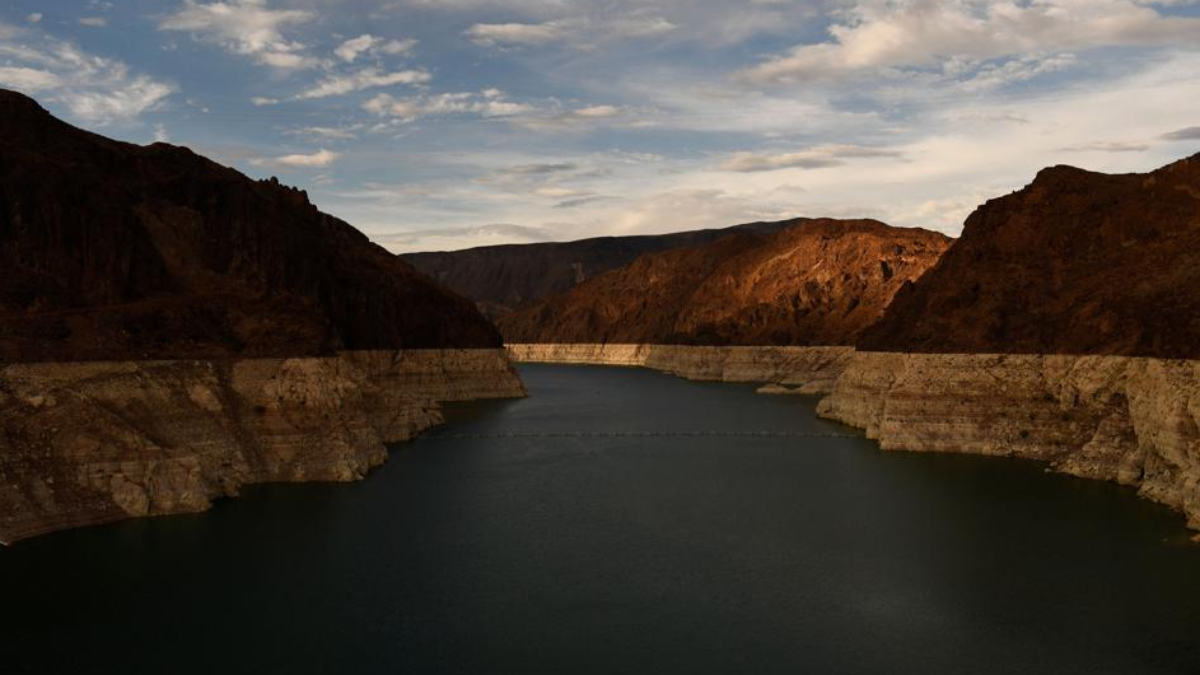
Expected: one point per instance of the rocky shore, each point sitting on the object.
(91, 443)
(1133, 421)
(810, 370)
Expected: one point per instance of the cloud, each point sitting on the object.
(487, 104)
(93, 21)
(320, 158)
(1188, 134)
(351, 49)
(333, 133)
(450, 238)
(36, 17)
(367, 78)
(582, 33)
(1108, 146)
(819, 157)
(93, 89)
(28, 80)
(260, 101)
(586, 118)
(924, 33)
(247, 27)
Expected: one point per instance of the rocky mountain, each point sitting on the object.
(172, 331)
(818, 282)
(115, 251)
(1075, 263)
(504, 278)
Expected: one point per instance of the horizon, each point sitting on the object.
(453, 125)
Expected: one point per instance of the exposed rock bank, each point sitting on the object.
(90, 443)
(1135, 421)
(811, 370)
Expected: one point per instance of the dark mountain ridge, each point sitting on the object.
(113, 251)
(1077, 262)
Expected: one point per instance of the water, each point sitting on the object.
(626, 554)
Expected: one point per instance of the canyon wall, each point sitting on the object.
(90, 443)
(818, 282)
(1135, 421)
(810, 370)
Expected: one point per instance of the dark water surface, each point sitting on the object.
(626, 555)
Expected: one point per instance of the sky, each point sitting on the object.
(446, 124)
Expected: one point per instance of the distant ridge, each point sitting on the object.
(817, 282)
(513, 276)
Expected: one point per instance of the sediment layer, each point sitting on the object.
(1134, 421)
(810, 370)
(90, 443)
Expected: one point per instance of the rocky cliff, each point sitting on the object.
(114, 251)
(90, 443)
(818, 282)
(505, 278)
(1020, 341)
(799, 370)
(1135, 421)
(1075, 263)
(171, 330)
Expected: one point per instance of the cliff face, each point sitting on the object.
(1019, 341)
(90, 443)
(793, 370)
(115, 251)
(819, 282)
(1134, 421)
(1075, 263)
(171, 330)
(501, 279)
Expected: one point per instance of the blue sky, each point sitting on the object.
(443, 124)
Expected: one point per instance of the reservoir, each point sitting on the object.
(626, 521)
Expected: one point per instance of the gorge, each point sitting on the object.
(1037, 334)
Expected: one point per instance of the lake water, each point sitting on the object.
(626, 554)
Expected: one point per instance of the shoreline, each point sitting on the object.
(98, 442)
(1127, 420)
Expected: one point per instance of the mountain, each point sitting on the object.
(1075, 263)
(116, 251)
(817, 282)
(504, 278)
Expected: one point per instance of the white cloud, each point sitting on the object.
(487, 104)
(93, 21)
(318, 159)
(28, 80)
(94, 89)
(351, 49)
(576, 32)
(820, 157)
(36, 17)
(367, 78)
(248, 27)
(333, 133)
(922, 33)
(261, 101)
